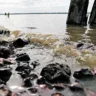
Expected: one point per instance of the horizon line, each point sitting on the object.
(37, 13)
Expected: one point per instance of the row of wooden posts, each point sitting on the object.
(77, 14)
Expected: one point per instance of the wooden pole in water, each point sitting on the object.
(77, 14)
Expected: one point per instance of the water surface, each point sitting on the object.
(47, 25)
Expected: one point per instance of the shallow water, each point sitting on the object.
(53, 41)
(48, 24)
(42, 23)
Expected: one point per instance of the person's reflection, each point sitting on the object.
(92, 35)
(75, 33)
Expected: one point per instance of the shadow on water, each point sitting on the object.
(75, 32)
(81, 33)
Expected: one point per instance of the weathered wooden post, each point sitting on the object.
(92, 20)
(78, 12)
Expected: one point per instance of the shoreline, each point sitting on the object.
(30, 58)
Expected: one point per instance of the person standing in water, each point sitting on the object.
(7, 14)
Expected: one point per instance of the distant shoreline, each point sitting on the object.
(38, 13)
(32, 13)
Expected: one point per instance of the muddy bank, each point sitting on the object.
(37, 64)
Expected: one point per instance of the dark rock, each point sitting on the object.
(83, 45)
(76, 87)
(33, 90)
(56, 73)
(79, 45)
(27, 82)
(59, 87)
(4, 43)
(22, 57)
(1, 31)
(50, 86)
(24, 68)
(5, 74)
(35, 63)
(5, 32)
(20, 43)
(33, 76)
(83, 73)
(41, 81)
(4, 52)
(78, 12)
(6, 62)
(92, 19)
(23, 74)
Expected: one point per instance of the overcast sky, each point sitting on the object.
(36, 5)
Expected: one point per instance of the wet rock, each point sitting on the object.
(83, 73)
(22, 57)
(23, 74)
(76, 87)
(24, 68)
(20, 43)
(83, 45)
(59, 87)
(92, 19)
(50, 86)
(35, 63)
(41, 81)
(5, 74)
(6, 62)
(79, 45)
(1, 31)
(78, 12)
(33, 76)
(4, 32)
(33, 90)
(4, 43)
(27, 82)
(56, 73)
(4, 52)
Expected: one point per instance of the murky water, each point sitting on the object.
(48, 24)
(53, 41)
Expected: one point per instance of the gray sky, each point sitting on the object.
(36, 5)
